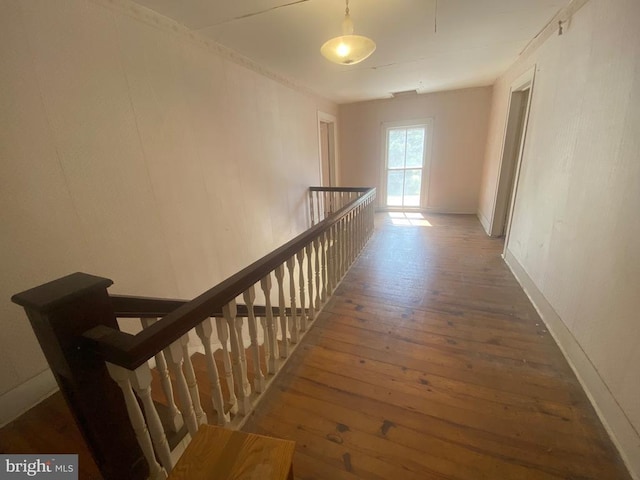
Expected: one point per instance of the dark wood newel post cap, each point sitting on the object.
(51, 295)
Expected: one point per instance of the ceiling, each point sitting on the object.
(426, 45)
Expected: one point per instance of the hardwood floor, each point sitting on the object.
(429, 363)
(49, 428)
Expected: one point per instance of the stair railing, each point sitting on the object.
(138, 398)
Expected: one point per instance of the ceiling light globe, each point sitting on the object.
(348, 49)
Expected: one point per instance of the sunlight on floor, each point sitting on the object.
(408, 219)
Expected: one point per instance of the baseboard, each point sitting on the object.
(434, 210)
(622, 433)
(485, 222)
(25, 396)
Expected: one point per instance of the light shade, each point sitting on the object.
(348, 49)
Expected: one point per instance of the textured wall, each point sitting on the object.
(131, 151)
(576, 226)
(459, 137)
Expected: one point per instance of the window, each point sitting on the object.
(404, 165)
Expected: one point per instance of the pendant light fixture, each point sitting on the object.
(347, 49)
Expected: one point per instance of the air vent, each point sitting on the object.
(404, 93)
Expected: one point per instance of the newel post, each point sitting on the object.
(60, 312)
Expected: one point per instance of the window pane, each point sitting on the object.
(395, 180)
(397, 140)
(412, 182)
(415, 147)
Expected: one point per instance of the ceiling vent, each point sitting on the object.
(404, 93)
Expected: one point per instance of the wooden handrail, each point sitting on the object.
(131, 351)
(127, 306)
(340, 189)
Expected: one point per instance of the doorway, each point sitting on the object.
(512, 150)
(327, 149)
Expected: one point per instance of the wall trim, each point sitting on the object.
(484, 222)
(166, 24)
(618, 426)
(25, 396)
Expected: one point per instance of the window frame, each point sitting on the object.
(427, 124)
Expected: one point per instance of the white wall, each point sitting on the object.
(459, 137)
(575, 238)
(133, 150)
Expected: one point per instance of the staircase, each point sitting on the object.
(140, 399)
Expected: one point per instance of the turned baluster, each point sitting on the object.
(258, 377)
(223, 336)
(331, 241)
(175, 417)
(192, 382)
(265, 335)
(270, 337)
(323, 267)
(358, 230)
(293, 318)
(121, 376)
(238, 357)
(343, 247)
(174, 355)
(309, 250)
(284, 345)
(141, 382)
(204, 331)
(352, 237)
(316, 247)
(303, 314)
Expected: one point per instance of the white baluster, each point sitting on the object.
(175, 417)
(122, 378)
(323, 267)
(316, 247)
(270, 337)
(331, 258)
(341, 269)
(293, 318)
(223, 336)
(141, 382)
(173, 354)
(258, 378)
(265, 336)
(204, 331)
(192, 382)
(284, 345)
(352, 238)
(238, 357)
(309, 251)
(303, 314)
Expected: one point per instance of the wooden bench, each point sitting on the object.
(216, 453)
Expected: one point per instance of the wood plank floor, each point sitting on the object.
(430, 363)
(49, 428)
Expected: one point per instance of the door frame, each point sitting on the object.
(332, 122)
(426, 167)
(522, 83)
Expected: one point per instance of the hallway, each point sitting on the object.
(430, 362)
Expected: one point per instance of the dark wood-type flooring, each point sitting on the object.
(428, 363)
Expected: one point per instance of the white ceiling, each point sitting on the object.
(476, 40)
